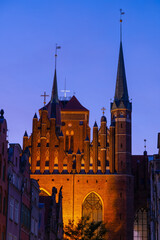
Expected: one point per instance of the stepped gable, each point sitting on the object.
(73, 105)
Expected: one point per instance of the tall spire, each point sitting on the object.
(54, 95)
(121, 92)
(121, 99)
(55, 107)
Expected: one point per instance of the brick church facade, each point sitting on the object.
(100, 178)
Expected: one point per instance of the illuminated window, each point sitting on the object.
(140, 225)
(92, 207)
(69, 142)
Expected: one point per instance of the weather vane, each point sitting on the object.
(103, 110)
(44, 95)
(57, 47)
(65, 91)
(121, 13)
(145, 144)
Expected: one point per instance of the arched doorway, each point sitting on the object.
(92, 207)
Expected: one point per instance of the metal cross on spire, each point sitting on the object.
(57, 47)
(103, 110)
(65, 90)
(44, 95)
(121, 13)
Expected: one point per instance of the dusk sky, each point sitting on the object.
(88, 33)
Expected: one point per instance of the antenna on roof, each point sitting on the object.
(145, 144)
(64, 90)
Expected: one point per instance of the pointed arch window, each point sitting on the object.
(140, 225)
(92, 207)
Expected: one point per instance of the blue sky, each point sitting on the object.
(88, 32)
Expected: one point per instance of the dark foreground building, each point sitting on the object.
(3, 175)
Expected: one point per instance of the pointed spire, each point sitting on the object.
(61, 134)
(95, 124)
(54, 95)
(78, 152)
(70, 151)
(121, 99)
(35, 115)
(87, 139)
(25, 134)
(121, 92)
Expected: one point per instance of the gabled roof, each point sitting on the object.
(73, 105)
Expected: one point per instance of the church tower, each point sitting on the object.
(120, 130)
(96, 175)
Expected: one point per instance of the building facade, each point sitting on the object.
(15, 181)
(98, 175)
(155, 194)
(26, 197)
(53, 220)
(3, 175)
(34, 209)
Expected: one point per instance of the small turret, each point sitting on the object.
(95, 147)
(103, 138)
(78, 161)
(61, 152)
(86, 154)
(70, 162)
(112, 149)
(53, 139)
(25, 140)
(35, 115)
(34, 143)
(26, 134)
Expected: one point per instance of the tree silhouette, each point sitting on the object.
(85, 229)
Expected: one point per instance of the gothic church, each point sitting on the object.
(100, 177)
